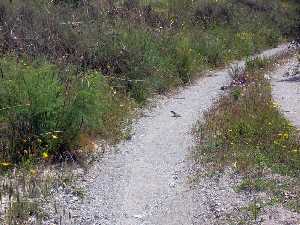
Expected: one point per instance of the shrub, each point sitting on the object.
(43, 113)
(213, 47)
(246, 130)
(184, 57)
(244, 43)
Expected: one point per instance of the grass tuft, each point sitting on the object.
(43, 114)
(244, 129)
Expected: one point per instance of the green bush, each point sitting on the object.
(42, 112)
(212, 46)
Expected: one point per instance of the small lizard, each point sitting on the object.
(175, 114)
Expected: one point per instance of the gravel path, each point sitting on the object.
(286, 91)
(144, 180)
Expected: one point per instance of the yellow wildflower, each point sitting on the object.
(5, 164)
(286, 136)
(275, 105)
(33, 172)
(45, 155)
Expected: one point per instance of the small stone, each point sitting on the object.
(138, 216)
(172, 184)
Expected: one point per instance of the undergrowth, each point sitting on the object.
(143, 46)
(46, 113)
(245, 131)
(71, 70)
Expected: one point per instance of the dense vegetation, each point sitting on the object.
(73, 68)
(46, 114)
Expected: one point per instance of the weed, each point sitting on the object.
(259, 184)
(254, 210)
(281, 191)
(21, 211)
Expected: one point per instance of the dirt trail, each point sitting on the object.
(144, 180)
(286, 91)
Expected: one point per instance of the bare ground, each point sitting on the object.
(286, 91)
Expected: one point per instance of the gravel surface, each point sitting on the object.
(286, 90)
(145, 180)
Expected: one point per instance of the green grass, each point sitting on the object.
(162, 42)
(45, 115)
(281, 191)
(136, 57)
(244, 130)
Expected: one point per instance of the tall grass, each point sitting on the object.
(246, 132)
(161, 42)
(245, 129)
(44, 111)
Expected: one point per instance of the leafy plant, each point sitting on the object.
(43, 114)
